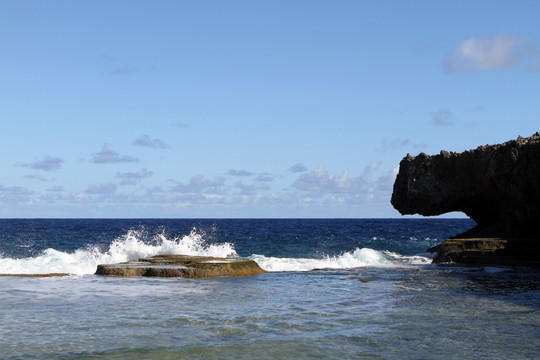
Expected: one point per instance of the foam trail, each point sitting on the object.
(348, 260)
(419, 259)
(128, 247)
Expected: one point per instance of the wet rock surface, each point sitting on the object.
(494, 251)
(182, 266)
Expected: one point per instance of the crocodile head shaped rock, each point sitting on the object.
(498, 186)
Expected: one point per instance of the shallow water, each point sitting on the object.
(397, 306)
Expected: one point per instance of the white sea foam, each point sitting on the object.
(348, 260)
(128, 247)
(136, 244)
(419, 259)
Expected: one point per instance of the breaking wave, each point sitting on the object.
(137, 244)
(358, 258)
(133, 245)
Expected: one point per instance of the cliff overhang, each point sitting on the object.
(498, 186)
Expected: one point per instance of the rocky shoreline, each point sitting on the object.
(182, 266)
(498, 186)
(488, 251)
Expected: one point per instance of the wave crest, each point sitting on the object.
(136, 244)
(133, 245)
(348, 260)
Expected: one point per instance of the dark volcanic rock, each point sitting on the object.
(182, 266)
(498, 186)
(497, 251)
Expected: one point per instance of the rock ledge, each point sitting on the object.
(182, 266)
(488, 251)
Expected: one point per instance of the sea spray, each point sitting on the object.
(347, 260)
(133, 245)
(404, 260)
(139, 243)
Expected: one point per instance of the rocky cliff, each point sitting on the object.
(498, 186)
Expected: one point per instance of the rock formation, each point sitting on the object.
(498, 186)
(182, 266)
(524, 252)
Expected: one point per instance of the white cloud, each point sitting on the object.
(56, 188)
(145, 140)
(315, 192)
(320, 181)
(199, 184)
(233, 172)
(298, 168)
(373, 166)
(386, 182)
(253, 188)
(498, 52)
(14, 190)
(101, 189)
(108, 156)
(48, 163)
(58, 193)
(125, 69)
(14, 195)
(132, 178)
(37, 177)
(280, 199)
(265, 177)
(398, 143)
(442, 117)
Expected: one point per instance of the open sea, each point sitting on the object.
(335, 289)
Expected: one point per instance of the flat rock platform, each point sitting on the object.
(182, 266)
(496, 251)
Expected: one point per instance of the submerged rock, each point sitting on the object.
(182, 266)
(498, 186)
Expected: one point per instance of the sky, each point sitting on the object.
(250, 109)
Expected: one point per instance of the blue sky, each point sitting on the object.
(250, 108)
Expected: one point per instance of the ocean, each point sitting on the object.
(335, 289)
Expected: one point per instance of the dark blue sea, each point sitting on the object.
(335, 289)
